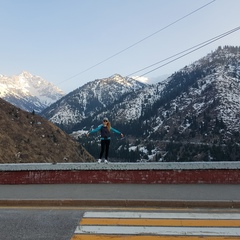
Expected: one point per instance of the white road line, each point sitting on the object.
(176, 231)
(232, 216)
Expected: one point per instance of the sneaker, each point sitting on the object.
(106, 161)
(99, 160)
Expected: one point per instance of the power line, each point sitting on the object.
(163, 60)
(195, 48)
(143, 39)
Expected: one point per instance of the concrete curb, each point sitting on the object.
(121, 203)
(13, 167)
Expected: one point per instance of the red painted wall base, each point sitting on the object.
(229, 176)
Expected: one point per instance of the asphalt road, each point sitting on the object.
(63, 223)
(38, 224)
(59, 223)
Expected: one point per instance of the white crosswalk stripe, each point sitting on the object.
(131, 230)
(154, 215)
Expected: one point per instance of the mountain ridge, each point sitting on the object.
(199, 105)
(191, 116)
(90, 98)
(29, 92)
(28, 138)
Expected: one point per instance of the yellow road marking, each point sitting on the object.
(160, 222)
(114, 237)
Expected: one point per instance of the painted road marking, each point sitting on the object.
(115, 237)
(173, 231)
(125, 225)
(171, 215)
(160, 222)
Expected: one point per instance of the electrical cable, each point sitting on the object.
(163, 60)
(195, 48)
(134, 44)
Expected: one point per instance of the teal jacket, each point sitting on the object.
(105, 133)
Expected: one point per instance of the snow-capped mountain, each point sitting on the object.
(132, 107)
(209, 84)
(207, 91)
(29, 92)
(89, 99)
(202, 95)
(191, 116)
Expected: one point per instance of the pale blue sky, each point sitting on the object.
(57, 39)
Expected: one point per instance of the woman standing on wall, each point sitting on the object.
(105, 129)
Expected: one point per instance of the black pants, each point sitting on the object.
(104, 147)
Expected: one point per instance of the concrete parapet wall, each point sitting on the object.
(158, 173)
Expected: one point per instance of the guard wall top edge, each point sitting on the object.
(120, 166)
